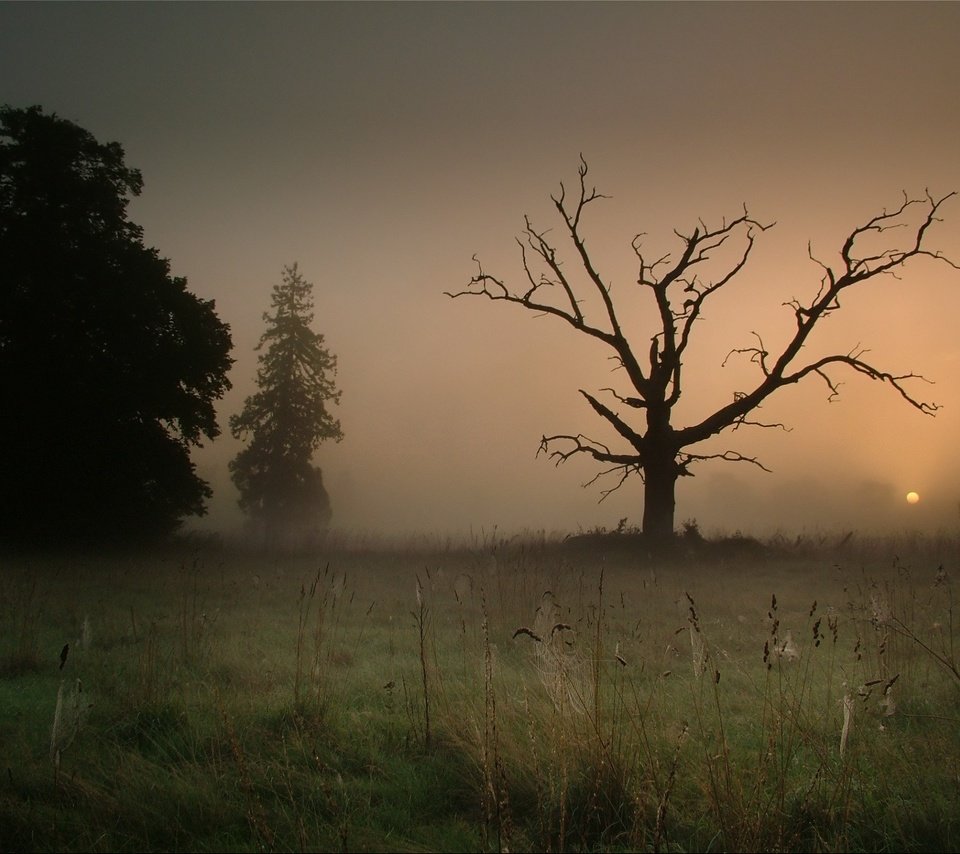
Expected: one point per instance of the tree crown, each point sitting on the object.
(679, 286)
(287, 418)
(110, 364)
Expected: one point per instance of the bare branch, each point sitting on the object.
(618, 423)
(854, 361)
(780, 374)
(624, 470)
(758, 355)
(890, 258)
(775, 425)
(624, 464)
(494, 288)
(585, 197)
(572, 221)
(635, 402)
(485, 284)
(685, 459)
(581, 445)
(666, 357)
(537, 241)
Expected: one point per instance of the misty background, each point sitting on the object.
(380, 146)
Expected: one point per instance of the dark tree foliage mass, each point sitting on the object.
(287, 419)
(109, 367)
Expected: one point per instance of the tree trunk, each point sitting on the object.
(659, 475)
(659, 504)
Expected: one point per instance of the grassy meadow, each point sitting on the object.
(519, 694)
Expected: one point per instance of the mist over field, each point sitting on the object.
(382, 145)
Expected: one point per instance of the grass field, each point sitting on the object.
(507, 695)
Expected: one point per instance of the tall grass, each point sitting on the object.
(541, 698)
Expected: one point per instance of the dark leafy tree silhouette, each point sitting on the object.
(678, 287)
(109, 367)
(286, 420)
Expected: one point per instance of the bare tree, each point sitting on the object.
(679, 288)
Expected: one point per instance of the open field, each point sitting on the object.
(521, 695)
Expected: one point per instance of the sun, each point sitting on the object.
(912, 498)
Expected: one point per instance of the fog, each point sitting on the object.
(382, 146)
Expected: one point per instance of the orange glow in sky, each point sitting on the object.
(380, 146)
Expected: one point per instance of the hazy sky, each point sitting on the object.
(381, 145)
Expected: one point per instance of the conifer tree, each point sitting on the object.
(286, 420)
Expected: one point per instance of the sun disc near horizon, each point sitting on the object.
(912, 497)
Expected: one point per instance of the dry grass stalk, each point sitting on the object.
(660, 827)
(421, 618)
(152, 675)
(304, 605)
(847, 721)
(496, 800)
(255, 812)
(699, 652)
(55, 732)
(698, 647)
(598, 653)
(543, 808)
(332, 590)
(69, 716)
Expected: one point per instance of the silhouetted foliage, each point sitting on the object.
(287, 420)
(109, 367)
(678, 288)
